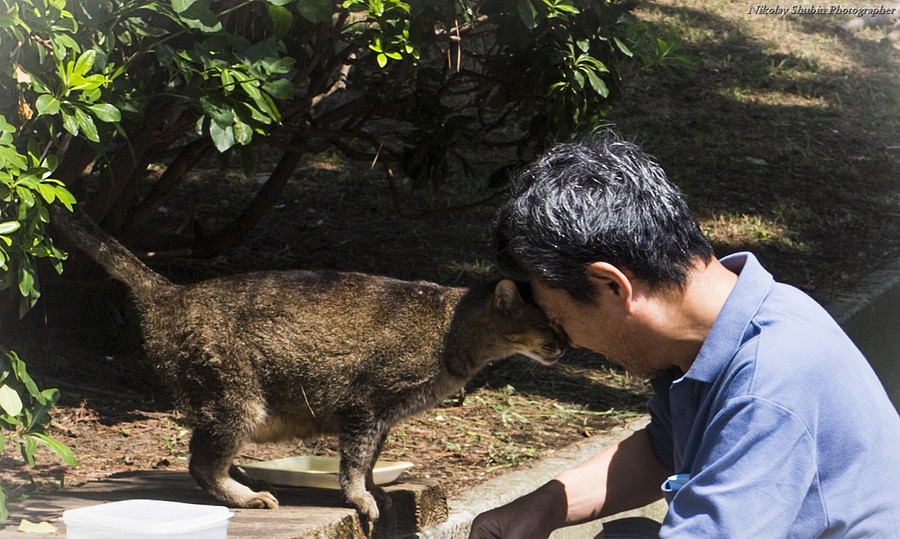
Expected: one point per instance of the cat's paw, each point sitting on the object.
(261, 500)
(366, 506)
(235, 494)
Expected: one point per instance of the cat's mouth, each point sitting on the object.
(550, 353)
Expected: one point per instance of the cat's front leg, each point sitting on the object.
(359, 448)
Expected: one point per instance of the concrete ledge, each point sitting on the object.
(865, 292)
(871, 317)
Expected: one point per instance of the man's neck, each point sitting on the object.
(686, 316)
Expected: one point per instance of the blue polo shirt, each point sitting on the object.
(779, 428)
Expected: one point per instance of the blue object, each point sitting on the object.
(781, 423)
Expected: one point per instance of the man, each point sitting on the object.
(766, 421)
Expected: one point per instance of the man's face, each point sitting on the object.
(603, 326)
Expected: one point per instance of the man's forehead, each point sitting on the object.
(545, 296)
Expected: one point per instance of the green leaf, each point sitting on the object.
(282, 19)
(106, 112)
(280, 89)
(12, 160)
(91, 82)
(26, 281)
(41, 414)
(243, 133)
(227, 80)
(61, 449)
(271, 108)
(48, 192)
(28, 181)
(66, 197)
(251, 89)
(222, 136)
(26, 199)
(217, 112)
(6, 126)
(28, 449)
(22, 375)
(86, 125)
(622, 47)
(597, 83)
(565, 8)
(282, 65)
(579, 79)
(197, 14)
(10, 401)
(85, 62)
(47, 105)
(180, 6)
(315, 11)
(527, 13)
(9, 227)
(69, 122)
(51, 162)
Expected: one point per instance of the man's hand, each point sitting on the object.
(534, 516)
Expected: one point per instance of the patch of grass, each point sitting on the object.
(782, 137)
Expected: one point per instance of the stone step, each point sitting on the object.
(303, 513)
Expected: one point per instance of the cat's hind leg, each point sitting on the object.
(210, 466)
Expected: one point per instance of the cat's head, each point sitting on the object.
(521, 325)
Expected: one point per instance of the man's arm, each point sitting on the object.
(624, 476)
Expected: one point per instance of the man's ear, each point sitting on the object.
(609, 278)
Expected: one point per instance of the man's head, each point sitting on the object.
(597, 200)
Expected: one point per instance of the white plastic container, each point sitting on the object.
(147, 519)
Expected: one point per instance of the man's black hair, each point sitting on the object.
(599, 199)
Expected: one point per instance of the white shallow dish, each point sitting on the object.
(316, 472)
(147, 519)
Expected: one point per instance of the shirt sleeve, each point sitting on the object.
(753, 471)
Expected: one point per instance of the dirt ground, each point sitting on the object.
(783, 137)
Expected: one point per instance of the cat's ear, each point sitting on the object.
(506, 296)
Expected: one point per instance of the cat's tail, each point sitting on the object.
(76, 227)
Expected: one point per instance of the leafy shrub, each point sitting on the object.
(24, 415)
(112, 87)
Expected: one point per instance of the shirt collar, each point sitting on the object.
(753, 285)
